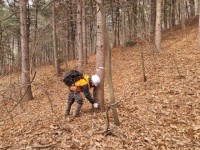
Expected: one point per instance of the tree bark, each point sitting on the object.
(158, 25)
(182, 13)
(123, 25)
(35, 35)
(25, 76)
(172, 14)
(199, 29)
(55, 47)
(108, 50)
(100, 59)
(79, 36)
(135, 18)
(84, 29)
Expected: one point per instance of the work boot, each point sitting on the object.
(77, 110)
(67, 110)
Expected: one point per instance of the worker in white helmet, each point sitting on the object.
(82, 85)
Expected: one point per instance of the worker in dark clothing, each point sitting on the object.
(82, 85)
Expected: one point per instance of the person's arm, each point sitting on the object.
(87, 94)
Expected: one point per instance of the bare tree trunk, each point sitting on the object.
(114, 27)
(33, 60)
(1, 50)
(117, 26)
(108, 49)
(172, 14)
(192, 7)
(26, 87)
(135, 21)
(55, 47)
(182, 13)
(129, 32)
(123, 25)
(100, 59)
(153, 16)
(79, 36)
(84, 26)
(72, 54)
(199, 29)
(92, 26)
(165, 14)
(196, 3)
(158, 25)
(66, 51)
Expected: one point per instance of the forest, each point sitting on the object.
(146, 53)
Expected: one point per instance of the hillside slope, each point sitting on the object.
(161, 113)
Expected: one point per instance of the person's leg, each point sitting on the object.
(70, 101)
(79, 101)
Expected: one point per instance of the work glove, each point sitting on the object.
(96, 105)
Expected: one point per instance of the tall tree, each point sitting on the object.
(108, 50)
(191, 4)
(153, 16)
(123, 23)
(26, 87)
(172, 14)
(55, 46)
(35, 34)
(100, 58)
(84, 29)
(158, 25)
(72, 28)
(182, 13)
(67, 33)
(79, 36)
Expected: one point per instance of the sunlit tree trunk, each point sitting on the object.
(158, 25)
(26, 87)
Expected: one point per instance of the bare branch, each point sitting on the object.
(21, 97)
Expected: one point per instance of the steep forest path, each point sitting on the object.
(161, 113)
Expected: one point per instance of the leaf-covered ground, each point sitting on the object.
(161, 113)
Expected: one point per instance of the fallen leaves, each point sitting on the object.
(162, 113)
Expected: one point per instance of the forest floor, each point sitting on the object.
(161, 113)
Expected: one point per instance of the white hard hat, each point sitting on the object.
(95, 79)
